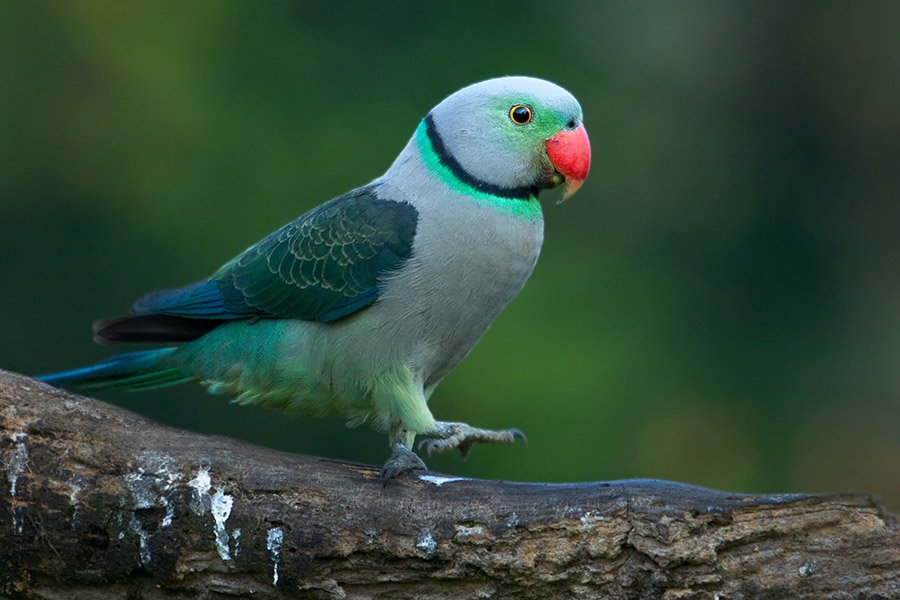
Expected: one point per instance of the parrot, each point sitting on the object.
(362, 305)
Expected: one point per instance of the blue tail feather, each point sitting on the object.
(143, 370)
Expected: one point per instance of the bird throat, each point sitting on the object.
(446, 159)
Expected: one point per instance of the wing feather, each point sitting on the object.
(324, 266)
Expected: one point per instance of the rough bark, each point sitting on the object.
(97, 502)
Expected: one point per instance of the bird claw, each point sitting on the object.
(402, 460)
(462, 437)
(518, 434)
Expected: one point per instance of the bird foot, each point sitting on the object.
(402, 460)
(447, 436)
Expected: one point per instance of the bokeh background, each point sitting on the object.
(720, 304)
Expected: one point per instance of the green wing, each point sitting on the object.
(324, 266)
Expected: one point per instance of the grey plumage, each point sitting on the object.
(449, 235)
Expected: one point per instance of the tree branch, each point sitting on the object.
(97, 502)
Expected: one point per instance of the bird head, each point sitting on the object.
(512, 133)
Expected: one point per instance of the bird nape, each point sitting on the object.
(361, 306)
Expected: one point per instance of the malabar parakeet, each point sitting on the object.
(361, 306)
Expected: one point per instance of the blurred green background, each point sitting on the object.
(720, 304)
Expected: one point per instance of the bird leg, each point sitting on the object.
(402, 458)
(447, 436)
(444, 437)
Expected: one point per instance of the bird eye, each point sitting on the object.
(521, 114)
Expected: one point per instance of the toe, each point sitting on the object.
(429, 445)
(517, 434)
(401, 461)
(388, 472)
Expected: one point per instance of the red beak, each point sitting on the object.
(570, 152)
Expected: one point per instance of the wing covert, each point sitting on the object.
(323, 266)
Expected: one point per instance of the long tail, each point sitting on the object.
(145, 370)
